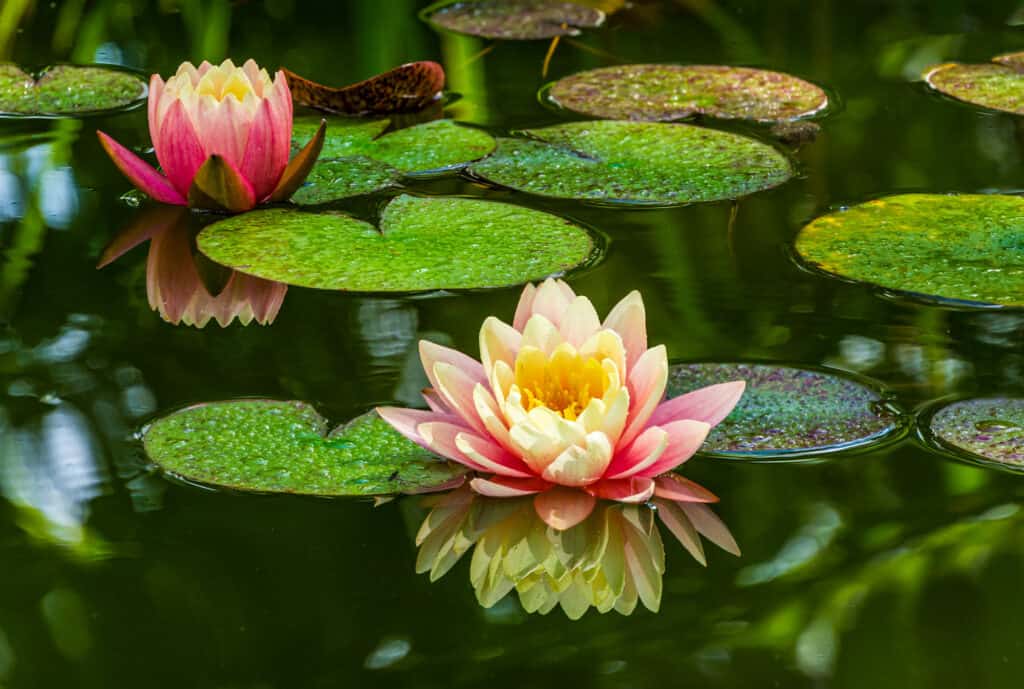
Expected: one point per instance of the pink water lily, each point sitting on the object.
(222, 135)
(562, 400)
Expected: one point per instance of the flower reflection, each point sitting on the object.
(186, 287)
(611, 560)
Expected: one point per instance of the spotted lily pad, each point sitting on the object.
(514, 19)
(998, 85)
(269, 446)
(361, 156)
(634, 162)
(406, 88)
(67, 90)
(965, 250)
(674, 92)
(985, 430)
(423, 244)
(791, 412)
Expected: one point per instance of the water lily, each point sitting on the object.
(222, 135)
(561, 399)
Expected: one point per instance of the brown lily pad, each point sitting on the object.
(521, 20)
(998, 85)
(674, 92)
(408, 88)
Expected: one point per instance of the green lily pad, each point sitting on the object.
(634, 162)
(965, 250)
(358, 157)
(67, 90)
(789, 412)
(674, 92)
(424, 244)
(269, 446)
(514, 19)
(997, 86)
(985, 430)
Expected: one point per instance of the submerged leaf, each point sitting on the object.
(269, 446)
(423, 244)
(634, 162)
(406, 88)
(966, 250)
(674, 92)
(68, 90)
(514, 19)
(791, 412)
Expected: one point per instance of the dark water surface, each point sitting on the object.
(896, 568)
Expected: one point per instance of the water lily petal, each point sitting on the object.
(685, 438)
(580, 322)
(140, 173)
(551, 301)
(646, 382)
(632, 490)
(299, 167)
(581, 464)
(406, 421)
(504, 487)
(457, 388)
(440, 436)
(679, 489)
(178, 148)
(679, 525)
(628, 318)
(498, 342)
(490, 456)
(710, 526)
(156, 92)
(524, 309)
(640, 454)
(262, 165)
(710, 404)
(563, 508)
(218, 185)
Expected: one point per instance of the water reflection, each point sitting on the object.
(611, 560)
(184, 286)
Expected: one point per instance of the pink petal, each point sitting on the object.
(281, 111)
(406, 421)
(431, 353)
(263, 164)
(685, 438)
(435, 402)
(502, 487)
(646, 384)
(710, 405)
(156, 91)
(141, 174)
(579, 322)
(456, 388)
(551, 302)
(563, 508)
(524, 309)
(678, 489)
(623, 490)
(710, 526)
(491, 457)
(178, 148)
(223, 127)
(629, 319)
(673, 517)
(642, 453)
(171, 276)
(440, 438)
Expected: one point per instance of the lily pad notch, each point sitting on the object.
(664, 93)
(271, 446)
(68, 91)
(791, 413)
(423, 244)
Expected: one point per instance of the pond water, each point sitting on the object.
(888, 567)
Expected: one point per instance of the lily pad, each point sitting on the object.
(789, 412)
(962, 250)
(67, 90)
(985, 430)
(514, 19)
(269, 446)
(674, 92)
(407, 88)
(361, 157)
(423, 244)
(634, 162)
(998, 85)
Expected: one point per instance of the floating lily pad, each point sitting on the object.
(791, 412)
(634, 162)
(67, 90)
(358, 157)
(674, 92)
(967, 250)
(998, 85)
(424, 244)
(407, 88)
(987, 430)
(268, 446)
(514, 19)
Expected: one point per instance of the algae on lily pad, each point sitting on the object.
(987, 431)
(965, 250)
(675, 92)
(68, 91)
(269, 446)
(998, 85)
(789, 412)
(423, 244)
(514, 19)
(634, 162)
(361, 156)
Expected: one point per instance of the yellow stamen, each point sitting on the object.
(565, 382)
